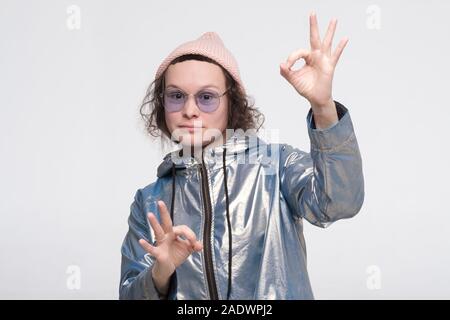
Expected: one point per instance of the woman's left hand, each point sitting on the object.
(314, 80)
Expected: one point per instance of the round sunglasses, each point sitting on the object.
(207, 100)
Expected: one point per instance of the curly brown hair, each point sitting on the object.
(242, 114)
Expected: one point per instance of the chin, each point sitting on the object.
(196, 138)
(192, 140)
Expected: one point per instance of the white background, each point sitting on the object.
(73, 150)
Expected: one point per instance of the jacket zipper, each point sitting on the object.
(212, 287)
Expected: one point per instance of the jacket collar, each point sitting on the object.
(237, 143)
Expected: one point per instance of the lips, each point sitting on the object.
(189, 126)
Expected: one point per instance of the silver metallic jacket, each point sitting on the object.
(246, 202)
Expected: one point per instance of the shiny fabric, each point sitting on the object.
(271, 189)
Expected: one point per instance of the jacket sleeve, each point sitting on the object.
(136, 269)
(326, 184)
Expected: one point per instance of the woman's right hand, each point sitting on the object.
(170, 250)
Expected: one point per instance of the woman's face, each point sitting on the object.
(191, 77)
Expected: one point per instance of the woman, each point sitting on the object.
(222, 220)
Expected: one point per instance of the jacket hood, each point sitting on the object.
(237, 143)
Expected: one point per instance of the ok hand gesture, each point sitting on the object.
(171, 250)
(314, 80)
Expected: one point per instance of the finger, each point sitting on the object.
(197, 246)
(296, 55)
(314, 31)
(285, 71)
(186, 232)
(338, 51)
(149, 248)
(285, 67)
(328, 40)
(166, 221)
(159, 232)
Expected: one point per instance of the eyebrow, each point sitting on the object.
(203, 87)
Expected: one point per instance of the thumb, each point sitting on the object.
(198, 246)
(285, 71)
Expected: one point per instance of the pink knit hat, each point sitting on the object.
(211, 46)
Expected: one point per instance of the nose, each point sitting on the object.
(190, 108)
